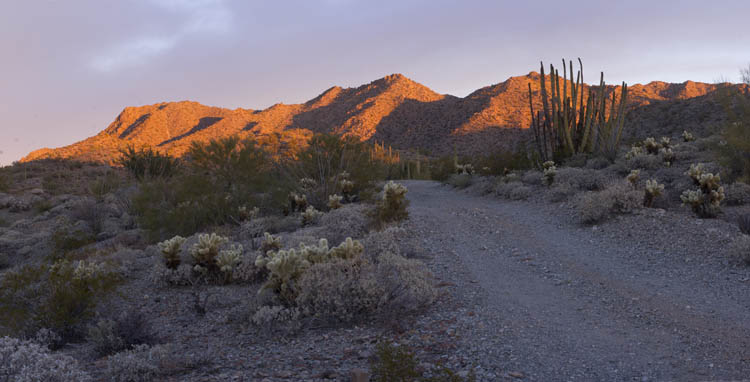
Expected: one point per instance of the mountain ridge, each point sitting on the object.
(393, 109)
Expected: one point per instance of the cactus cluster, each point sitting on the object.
(297, 202)
(229, 258)
(310, 215)
(270, 243)
(652, 191)
(650, 146)
(687, 136)
(308, 184)
(465, 169)
(170, 249)
(706, 200)
(334, 201)
(633, 177)
(549, 172)
(285, 267)
(244, 213)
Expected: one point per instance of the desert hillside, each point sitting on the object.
(394, 110)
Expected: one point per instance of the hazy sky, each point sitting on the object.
(70, 66)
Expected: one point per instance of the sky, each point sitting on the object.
(68, 67)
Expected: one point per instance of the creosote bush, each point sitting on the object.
(59, 296)
(618, 198)
(147, 164)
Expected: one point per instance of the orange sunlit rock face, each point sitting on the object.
(394, 110)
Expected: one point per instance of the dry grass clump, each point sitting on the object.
(597, 206)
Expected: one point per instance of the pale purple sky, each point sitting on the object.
(70, 66)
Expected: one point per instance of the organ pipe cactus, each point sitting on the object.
(567, 125)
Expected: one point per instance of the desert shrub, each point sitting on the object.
(597, 163)
(348, 221)
(532, 177)
(92, 212)
(407, 284)
(339, 290)
(513, 191)
(738, 194)
(104, 185)
(581, 179)
(180, 276)
(111, 336)
(503, 161)
(645, 162)
(549, 172)
(733, 150)
(397, 363)
(652, 191)
(597, 206)
(27, 361)
(744, 223)
(220, 177)
(5, 181)
(143, 363)
(460, 181)
(67, 239)
(146, 163)
(706, 200)
(59, 296)
(393, 205)
(338, 164)
(442, 168)
(740, 249)
(465, 169)
(561, 192)
(274, 319)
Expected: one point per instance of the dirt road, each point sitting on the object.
(558, 301)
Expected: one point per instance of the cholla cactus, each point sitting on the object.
(634, 152)
(308, 184)
(667, 155)
(346, 186)
(204, 252)
(349, 249)
(87, 269)
(633, 177)
(286, 266)
(310, 215)
(687, 136)
(465, 169)
(651, 146)
(171, 251)
(665, 143)
(245, 213)
(270, 243)
(706, 200)
(550, 170)
(297, 202)
(652, 191)
(229, 258)
(334, 201)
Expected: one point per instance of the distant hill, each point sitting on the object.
(394, 110)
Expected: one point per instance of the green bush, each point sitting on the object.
(442, 168)
(147, 163)
(502, 162)
(397, 363)
(59, 297)
(734, 149)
